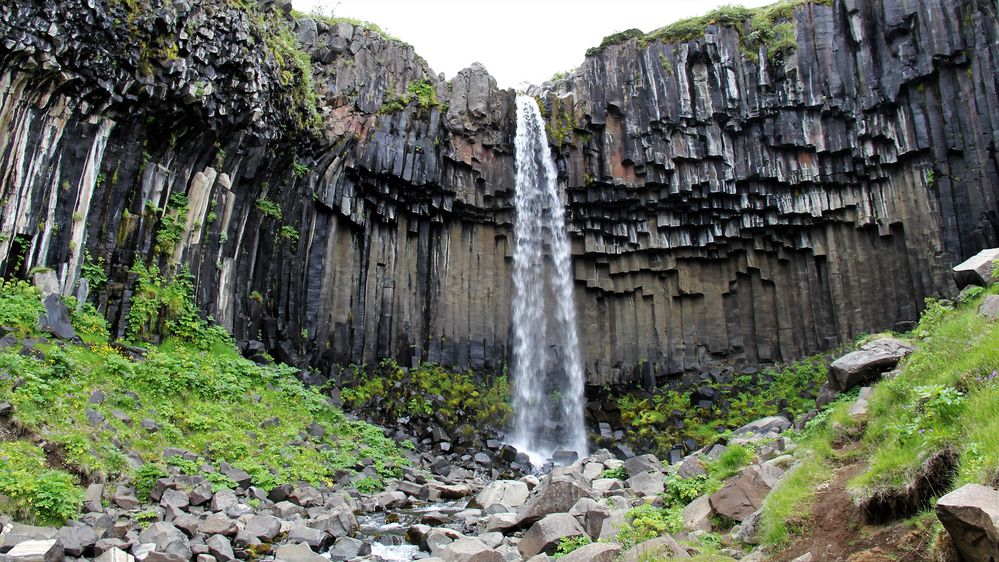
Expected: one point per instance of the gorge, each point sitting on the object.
(272, 289)
(725, 203)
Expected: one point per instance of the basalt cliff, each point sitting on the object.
(336, 202)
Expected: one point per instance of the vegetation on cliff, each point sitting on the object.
(100, 407)
(769, 26)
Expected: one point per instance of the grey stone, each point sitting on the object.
(306, 496)
(223, 499)
(555, 495)
(45, 550)
(591, 515)
(17, 533)
(468, 549)
(643, 463)
(989, 309)
(220, 548)
(594, 552)
(218, 524)
(78, 540)
(347, 548)
(115, 554)
(865, 364)
(263, 527)
(976, 270)
(297, 553)
(544, 535)
(772, 424)
(511, 493)
(340, 522)
(697, 514)
(647, 483)
(658, 548)
(971, 516)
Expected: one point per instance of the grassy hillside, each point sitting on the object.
(80, 410)
(943, 401)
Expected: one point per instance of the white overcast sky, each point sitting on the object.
(517, 40)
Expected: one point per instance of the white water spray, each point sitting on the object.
(547, 371)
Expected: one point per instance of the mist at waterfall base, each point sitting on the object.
(547, 370)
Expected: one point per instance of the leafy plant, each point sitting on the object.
(620, 473)
(35, 492)
(646, 522)
(569, 544)
(269, 208)
(145, 478)
(368, 485)
(20, 305)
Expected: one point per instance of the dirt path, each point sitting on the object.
(836, 531)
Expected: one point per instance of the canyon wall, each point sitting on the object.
(725, 206)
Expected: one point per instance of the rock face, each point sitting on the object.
(720, 208)
(971, 516)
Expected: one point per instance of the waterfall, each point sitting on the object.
(547, 371)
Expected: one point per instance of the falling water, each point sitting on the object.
(547, 372)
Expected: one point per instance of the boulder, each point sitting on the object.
(697, 515)
(223, 499)
(643, 463)
(306, 496)
(55, 319)
(220, 548)
(347, 548)
(747, 531)
(263, 527)
(743, 494)
(115, 554)
(17, 533)
(655, 549)
(46, 550)
(557, 494)
(297, 553)
(591, 515)
(762, 426)
(218, 524)
(511, 493)
(971, 516)
(166, 538)
(648, 483)
(501, 522)
(545, 535)
(468, 549)
(338, 523)
(77, 541)
(989, 308)
(865, 364)
(976, 270)
(595, 552)
(313, 537)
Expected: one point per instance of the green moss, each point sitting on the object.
(648, 419)
(457, 401)
(421, 92)
(269, 208)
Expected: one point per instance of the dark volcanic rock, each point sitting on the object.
(721, 207)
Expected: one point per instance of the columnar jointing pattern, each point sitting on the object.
(548, 376)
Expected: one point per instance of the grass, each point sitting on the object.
(946, 396)
(201, 395)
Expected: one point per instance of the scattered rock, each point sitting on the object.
(557, 494)
(697, 514)
(511, 493)
(989, 308)
(297, 553)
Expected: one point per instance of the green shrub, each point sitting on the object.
(620, 473)
(681, 491)
(368, 485)
(20, 306)
(269, 208)
(37, 493)
(420, 91)
(145, 478)
(569, 544)
(646, 522)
